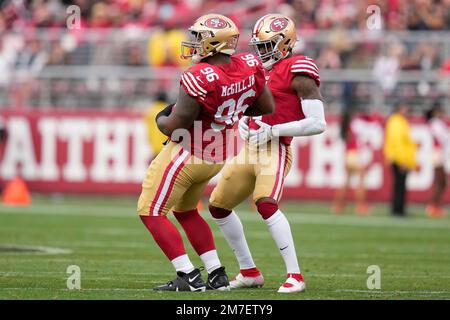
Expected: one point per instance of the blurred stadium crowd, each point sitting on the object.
(308, 14)
(40, 57)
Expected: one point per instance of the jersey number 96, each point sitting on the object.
(210, 74)
(231, 110)
(251, 60)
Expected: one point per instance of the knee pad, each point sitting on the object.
(219, 213)
(267, 209)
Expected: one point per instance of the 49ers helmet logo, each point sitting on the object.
(215, 23)
(278, 24)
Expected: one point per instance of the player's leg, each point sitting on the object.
(165, 182)
(341, 193)
(439, 185)
(398, 190)
(443, 186)
(234, 186)
(197, 229)
(268, 191)
(362, 208)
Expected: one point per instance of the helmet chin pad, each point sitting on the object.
(268, 64)
(276, 56)
(196, 58)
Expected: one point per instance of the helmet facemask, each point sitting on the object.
(194, 47)
(268, 50)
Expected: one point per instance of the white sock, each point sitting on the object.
(210, 260)
(183, 264)
(281, 232)
(233, 231)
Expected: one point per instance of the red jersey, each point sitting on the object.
(359, 132)
(223, 92)
(287, 103)
(355, 132)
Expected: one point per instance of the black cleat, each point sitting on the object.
(184, 282)
(218, 280)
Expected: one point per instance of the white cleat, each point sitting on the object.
(247, 282)
(292, 285)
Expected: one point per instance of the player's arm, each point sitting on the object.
(308, 92)
(264, 104)
(182, 115)
(312, 106)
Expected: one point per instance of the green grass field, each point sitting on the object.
(119, 259)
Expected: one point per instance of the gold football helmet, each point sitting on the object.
(273, 38)
(212, 33)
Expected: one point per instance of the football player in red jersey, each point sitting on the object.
(294, 82)
(214, 94)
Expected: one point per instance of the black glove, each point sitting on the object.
(165, 112)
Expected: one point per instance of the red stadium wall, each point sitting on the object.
(107, 153)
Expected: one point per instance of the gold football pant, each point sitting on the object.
(261, 172)
(175, 179)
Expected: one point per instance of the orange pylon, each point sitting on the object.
(16, 193)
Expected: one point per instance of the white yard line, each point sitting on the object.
(302, 218)
(76, 291)
(392, 292)
(34, 249)
(376, 292)
(112, 276)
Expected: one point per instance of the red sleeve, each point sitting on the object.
(250, 64)
(195, 84)
(306, 66)
(260, 79)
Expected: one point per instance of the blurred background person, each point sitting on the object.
(355, 126)
(3, 132)
(7, 59)
(155, 137)
(3, 137)
(439, 132)
(400, 155)
(386, 67)
(163, 48)
(29, 62)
